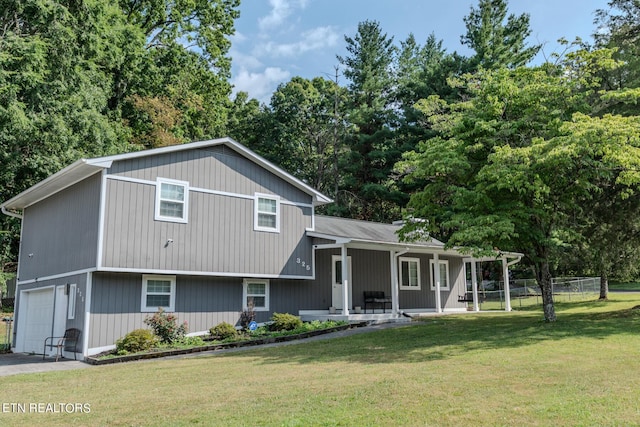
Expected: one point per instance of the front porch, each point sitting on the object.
(362, 265)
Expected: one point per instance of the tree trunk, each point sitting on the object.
(604, 285)
(544, 281)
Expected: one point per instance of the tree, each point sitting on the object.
(497, 43)
(485, 187)
(619, 29)
(367, 167)
(88, 78)
(183, 70)
(304, 114)
(244, 120)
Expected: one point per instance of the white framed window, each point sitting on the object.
(409, 270)
(443, 271)
(255, 291)
(71, 302)
(172, 200)
(267, 213)
(158, 291)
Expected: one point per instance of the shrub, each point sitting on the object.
(165, 326)
(135, 341)
(223, 331)
(190, 342)
(284, 322)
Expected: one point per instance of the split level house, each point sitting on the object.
(202, 230)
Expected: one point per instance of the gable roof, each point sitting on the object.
(84, 168)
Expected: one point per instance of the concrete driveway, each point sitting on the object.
(22, 363)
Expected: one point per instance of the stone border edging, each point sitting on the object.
(222, 346)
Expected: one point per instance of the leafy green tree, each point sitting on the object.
(303, 114)
(372, 151)
(90, 78)
(244, 120)
(182, 73)
(484, 187)
(619, 29)
(497, 43)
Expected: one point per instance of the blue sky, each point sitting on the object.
(278, 39)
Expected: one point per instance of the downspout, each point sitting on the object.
(18, 216)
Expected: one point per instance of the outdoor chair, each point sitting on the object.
(68, 342)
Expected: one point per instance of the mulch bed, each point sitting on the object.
(98, 360)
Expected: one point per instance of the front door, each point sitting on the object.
(336, 277)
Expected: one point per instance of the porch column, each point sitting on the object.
(474, 285)
(395, 290)
(436, 279)
(345, 280)
(507, 293)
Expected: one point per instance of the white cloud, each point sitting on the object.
(280, 11)
(244, 61)
(238, 37)
(259, 85)
(314, 39)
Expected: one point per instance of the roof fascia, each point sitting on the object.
(319, 198)
(14, 202)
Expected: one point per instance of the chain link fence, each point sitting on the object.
(526, 292)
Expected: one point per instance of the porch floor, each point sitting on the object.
(376, 317)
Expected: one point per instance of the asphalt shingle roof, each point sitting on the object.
(363, 230)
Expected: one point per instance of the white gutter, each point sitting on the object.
(514, 261)
(337, 245)
(9, 213)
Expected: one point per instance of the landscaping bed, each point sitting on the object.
(110, 357)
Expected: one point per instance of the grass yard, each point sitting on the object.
(474, 369)
(3, 331)
(624, 286)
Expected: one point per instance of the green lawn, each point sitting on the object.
(624, 286)
(3, 331)
(474, 369)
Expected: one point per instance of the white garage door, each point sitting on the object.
(38, 319)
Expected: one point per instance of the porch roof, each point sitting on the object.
(369, 234)
(341, 229)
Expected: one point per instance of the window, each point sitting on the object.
(172, 200)
(267, 213)
(443, 271)
(409, 273)
(71, 306)
(257, 292)
(158, 291)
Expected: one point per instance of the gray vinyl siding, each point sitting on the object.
(216, 168)
(219, 237)
(201, 301)
(426, 297)
(372, 272)
(291, 296)
(61, 231)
